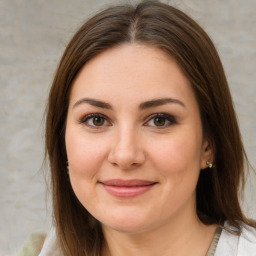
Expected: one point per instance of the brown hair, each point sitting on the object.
(169, 29)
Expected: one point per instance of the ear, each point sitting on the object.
(206, 154)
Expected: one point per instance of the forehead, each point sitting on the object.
(131, 70)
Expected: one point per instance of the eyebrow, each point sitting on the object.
(142, 106)
(160, 102)
(93, 102)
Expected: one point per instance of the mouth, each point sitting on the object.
(127, 188)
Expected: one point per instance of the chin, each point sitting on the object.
(127, 229)
(127, 224)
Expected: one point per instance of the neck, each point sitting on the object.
(180, 237)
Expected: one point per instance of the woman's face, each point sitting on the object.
(134, 139)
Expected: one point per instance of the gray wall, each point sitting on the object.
(33, 34)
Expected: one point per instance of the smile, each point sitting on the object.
(127, 188)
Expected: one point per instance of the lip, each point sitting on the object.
(127, 188)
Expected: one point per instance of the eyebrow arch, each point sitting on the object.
(160, 102)
(93, 102)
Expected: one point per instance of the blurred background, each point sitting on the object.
(33, 35)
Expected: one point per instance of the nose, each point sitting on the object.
(127, 151)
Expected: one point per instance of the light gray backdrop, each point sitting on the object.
(33, 35)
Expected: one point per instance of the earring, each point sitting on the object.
(210, 164)
(67, 168)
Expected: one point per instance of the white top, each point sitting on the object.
(233, 245)
(228, 244)
(49, 247)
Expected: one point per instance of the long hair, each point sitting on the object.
(160, 25)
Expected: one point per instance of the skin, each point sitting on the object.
(127, 141)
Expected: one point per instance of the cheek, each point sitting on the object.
(85, 153)
(178, 154)
(86, 156)
(178, 163)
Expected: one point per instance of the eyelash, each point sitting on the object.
(166, 118)
(85, 120)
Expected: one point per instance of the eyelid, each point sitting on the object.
(168, 117)
(87, 117)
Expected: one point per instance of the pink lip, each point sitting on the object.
(127, 188)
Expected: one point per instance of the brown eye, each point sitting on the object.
(98, 121)
(95, 121)
(159, 121)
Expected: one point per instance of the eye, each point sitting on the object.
(160, 120)
(95, 120)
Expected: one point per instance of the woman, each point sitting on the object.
(144, 147)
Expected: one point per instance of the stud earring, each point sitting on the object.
(67, 168)
(210, 164)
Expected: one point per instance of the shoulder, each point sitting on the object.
(40, 244)
(240, 245)
(49, 247)
(247, 241)
(33, 245)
